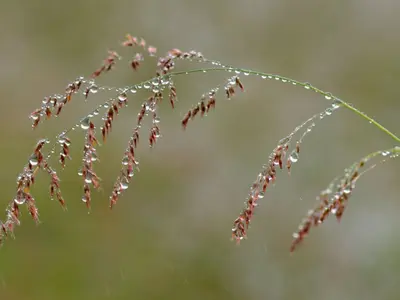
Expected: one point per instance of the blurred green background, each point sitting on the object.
(169, 236)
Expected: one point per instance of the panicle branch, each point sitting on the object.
(334, 199)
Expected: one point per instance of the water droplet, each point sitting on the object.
(34, 117)
(133, 91)
(85, 123)
(237, 71)
(156, 120)
(263, 77)
(130, 173)
(19, 201)
(88, 178)
(246, 73)
(125, 160)
(124, 184)
(165, 81)
(336, 104)
(307, 85)
(80, 173)
(347, 190)
(284, 141)
(93, 89)
(84, 199)
(146, 86)
(33, 160)
(122, 97)
(294, 156)
(261, 195)
(328, 96)
(385, 153)
(328, 111)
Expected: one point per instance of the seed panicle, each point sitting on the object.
(331, 201)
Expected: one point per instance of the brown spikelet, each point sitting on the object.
(172, 96)
(130, 41)
(107, 65)
(332, 200)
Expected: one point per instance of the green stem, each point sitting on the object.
(294, 82)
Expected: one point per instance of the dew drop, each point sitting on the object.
(328, 96)
(125, 160)
(19, 201)
(85, 123)
(294, 156)
(263, 77)
(336, 104)
(93, 88)
(347, 190)
(328, 111)
(122, 97)
(284, 141)
(133, 91)
(385, 153)
(165, 81)
(124, 184)
(34, 117)
(88, 178)
(33, 160)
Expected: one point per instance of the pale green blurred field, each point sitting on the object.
(169, 236)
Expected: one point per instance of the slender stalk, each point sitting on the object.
(294, 82)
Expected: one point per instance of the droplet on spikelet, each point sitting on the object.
(294, 157)
(328, 111)
(33, 160)
(124, 184)
(85, 123)
(122, 97)
(94, 89)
